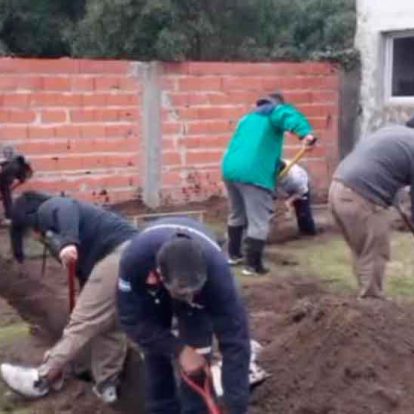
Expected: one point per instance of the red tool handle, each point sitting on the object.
(204, 390)
(71, 284)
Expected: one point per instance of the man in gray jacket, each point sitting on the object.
(364, 186)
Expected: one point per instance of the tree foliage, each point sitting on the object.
(175, 30)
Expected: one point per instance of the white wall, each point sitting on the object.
(374, 18)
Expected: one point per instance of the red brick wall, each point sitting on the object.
(203, 102)
(79, 121)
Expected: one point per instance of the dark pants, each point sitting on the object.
(304, 216)
(162, 395)
(5, 193)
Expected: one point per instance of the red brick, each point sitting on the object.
(211, 113)
(82, 83)
(23, 82)
(43, 147)
(93, 115)
(16, 100)
(55, 99)
(128, 115)
(103, 66)
(171, 158)
(120, 99)
(171, 179)
(318, 110)
(57, 83)
(92, 131)
(21, 117)
(122, 130)
(199, 83)
(172, 128)
(322, 82)
(169, 84)
(67, 131)
(188, 99)
(244, 83)
(324, 96)
(203, 157)
(13, 132)
(40, 132)
(207, 141)
(209, 127)
(63, 65)
(54, 116)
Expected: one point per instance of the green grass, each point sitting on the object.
(329, 259)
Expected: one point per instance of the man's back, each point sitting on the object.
(380, 165)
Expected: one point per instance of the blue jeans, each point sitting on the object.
(162, 396)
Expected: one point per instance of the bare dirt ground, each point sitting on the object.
(327, 352)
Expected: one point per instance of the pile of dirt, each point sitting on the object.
(331, 355)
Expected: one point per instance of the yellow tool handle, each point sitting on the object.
(296, 158)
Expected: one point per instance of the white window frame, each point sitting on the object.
(389, 57)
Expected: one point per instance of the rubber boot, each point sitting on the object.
(235, 235)
(254, 257)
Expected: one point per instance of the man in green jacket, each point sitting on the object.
(249, 171)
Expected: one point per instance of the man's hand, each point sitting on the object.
(190, 361)
(309, 142)
(68, 254)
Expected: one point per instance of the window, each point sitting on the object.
(399, 67)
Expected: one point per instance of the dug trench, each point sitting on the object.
(327, 353)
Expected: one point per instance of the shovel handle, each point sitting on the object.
(295, 159)
(71, 284)
(203, 390)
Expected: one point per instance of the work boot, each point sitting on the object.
(235, 235)
(24, 381)
(254, 258)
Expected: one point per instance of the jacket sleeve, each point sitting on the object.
(231, 329)
(288, 119)
(66, 219)
(145, 318)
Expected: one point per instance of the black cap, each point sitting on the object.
(182, 264)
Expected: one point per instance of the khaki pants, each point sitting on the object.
(93, 322)
(365, 227)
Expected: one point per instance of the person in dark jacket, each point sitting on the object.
(93, 238)
(13, 167)
(249, 171)
(364, 185)
(175, 268)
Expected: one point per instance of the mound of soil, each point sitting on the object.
(331, 355)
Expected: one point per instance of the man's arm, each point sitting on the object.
(231, 328)
(288, 119)
(65, 215)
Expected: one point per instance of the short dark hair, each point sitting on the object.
(23, 217)
(275, 98)
(182, 263)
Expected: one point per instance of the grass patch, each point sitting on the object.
(329, 259)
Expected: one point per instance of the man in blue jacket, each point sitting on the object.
(174, 268)
(93, 238)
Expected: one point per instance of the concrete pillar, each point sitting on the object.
(150, 76)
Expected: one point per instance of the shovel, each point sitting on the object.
(296, 158)
(204, 389)
(71, 284)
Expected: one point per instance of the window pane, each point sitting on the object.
(403, 67)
